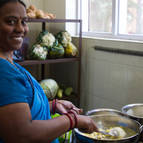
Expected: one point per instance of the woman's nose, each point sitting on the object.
(19, 27)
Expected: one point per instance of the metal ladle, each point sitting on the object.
(115, 132)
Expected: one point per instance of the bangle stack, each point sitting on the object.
(75, 118)
(73, 124)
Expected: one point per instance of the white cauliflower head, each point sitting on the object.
(66, 38)
(48, 39)
(40, 52)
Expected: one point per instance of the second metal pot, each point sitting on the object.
(134, 111)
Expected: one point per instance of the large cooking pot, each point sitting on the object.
(106, 118)
(134, 111)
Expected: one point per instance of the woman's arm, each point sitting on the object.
(17, 126)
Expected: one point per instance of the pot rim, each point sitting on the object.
(103, 109)
(130, 106)
(111, 140)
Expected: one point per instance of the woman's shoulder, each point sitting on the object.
(7, 69)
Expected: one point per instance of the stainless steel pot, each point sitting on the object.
(110, 118)
(134, 111)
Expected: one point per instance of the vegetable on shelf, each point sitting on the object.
(64, 38)
(33, 12)
(64, 91)
(71, 50)
(60, 93)
(50, 88)
(46, 38)
(68, 91)
(56, 51)
(37, 52)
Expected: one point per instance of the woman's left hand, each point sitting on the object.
(64, 106)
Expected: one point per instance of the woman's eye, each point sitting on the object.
(11, 22)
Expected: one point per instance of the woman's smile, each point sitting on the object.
(17, 39)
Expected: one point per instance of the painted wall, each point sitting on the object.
(110, 80)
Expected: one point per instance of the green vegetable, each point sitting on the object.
(68, 91)
(71, 50)
(57, 51)
(46, 38)
(38, 52)
(60, 93)
(63, 37)
(50, 87)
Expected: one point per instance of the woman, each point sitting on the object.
(24, 108)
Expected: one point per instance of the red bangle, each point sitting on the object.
(54, 106)
(71, 122)
(75, 118)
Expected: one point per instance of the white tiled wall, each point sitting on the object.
(110, 80)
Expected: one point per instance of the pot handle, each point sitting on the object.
(141, 133)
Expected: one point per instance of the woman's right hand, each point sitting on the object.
(86, 124)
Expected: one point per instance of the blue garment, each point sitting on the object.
(16, 87)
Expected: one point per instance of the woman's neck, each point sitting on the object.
(7, 56)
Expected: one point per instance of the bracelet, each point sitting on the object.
(54, 106)
(75, 118)
(71, 121)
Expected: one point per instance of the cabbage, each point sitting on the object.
(50, 87)
(57, 51)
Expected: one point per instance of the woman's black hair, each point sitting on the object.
(3, 2)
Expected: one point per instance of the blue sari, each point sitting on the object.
(27, 90)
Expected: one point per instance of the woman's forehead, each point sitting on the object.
(13, 9)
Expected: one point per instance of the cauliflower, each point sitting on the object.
(64, 38)
(46, 39)
(38, 52)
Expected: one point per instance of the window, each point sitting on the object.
(112, 18)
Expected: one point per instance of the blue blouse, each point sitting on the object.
(17, 85)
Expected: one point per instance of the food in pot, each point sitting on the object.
(122, 132)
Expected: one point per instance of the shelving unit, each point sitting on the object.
(60, 60)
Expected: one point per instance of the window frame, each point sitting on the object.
(115, 25)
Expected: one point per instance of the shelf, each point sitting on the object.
(53, 20)
(48, 61)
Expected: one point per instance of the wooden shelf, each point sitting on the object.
(48, 61)
(52, 20)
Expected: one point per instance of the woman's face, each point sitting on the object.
(13, 26)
